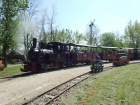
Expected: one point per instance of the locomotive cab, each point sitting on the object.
(57, 47)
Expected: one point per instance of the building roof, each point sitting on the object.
(14, 52)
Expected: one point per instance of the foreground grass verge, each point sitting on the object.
(119, 86)
(10, 71)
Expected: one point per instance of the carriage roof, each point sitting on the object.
(108, 47)
(72, 44)
(129, 48)
(80, 45)
(14, 52)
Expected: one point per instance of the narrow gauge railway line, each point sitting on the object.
(52, 96)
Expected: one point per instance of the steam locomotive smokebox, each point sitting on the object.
(34, 42)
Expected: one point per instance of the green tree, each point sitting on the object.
(132, 34)
(9, 10)
(108, 39)
(68, 36)
(78, 37)
(119, 40)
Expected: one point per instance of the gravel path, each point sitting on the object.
(16, 91)
(21, 89)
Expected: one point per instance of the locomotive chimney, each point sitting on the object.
(34, 42)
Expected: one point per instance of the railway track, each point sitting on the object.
(53, 96)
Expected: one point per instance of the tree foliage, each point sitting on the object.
(108, 39)
(9, 10)
(132, 34)
(65, 36)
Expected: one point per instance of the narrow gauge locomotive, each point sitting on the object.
(121, 58)
(57, 55)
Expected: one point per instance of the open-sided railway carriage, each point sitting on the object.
(57, 55)
(131, 52)
(107, 53)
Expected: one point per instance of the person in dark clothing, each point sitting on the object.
(98, 57)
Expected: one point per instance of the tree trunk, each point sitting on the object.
(4, 55)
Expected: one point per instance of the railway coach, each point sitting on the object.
(107, 53)
(133, 53)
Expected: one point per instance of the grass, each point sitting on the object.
(10, 71)
(120, 86)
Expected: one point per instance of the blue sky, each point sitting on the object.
(110, 15)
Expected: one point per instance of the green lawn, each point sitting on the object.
(11, 71)
(119, 86)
